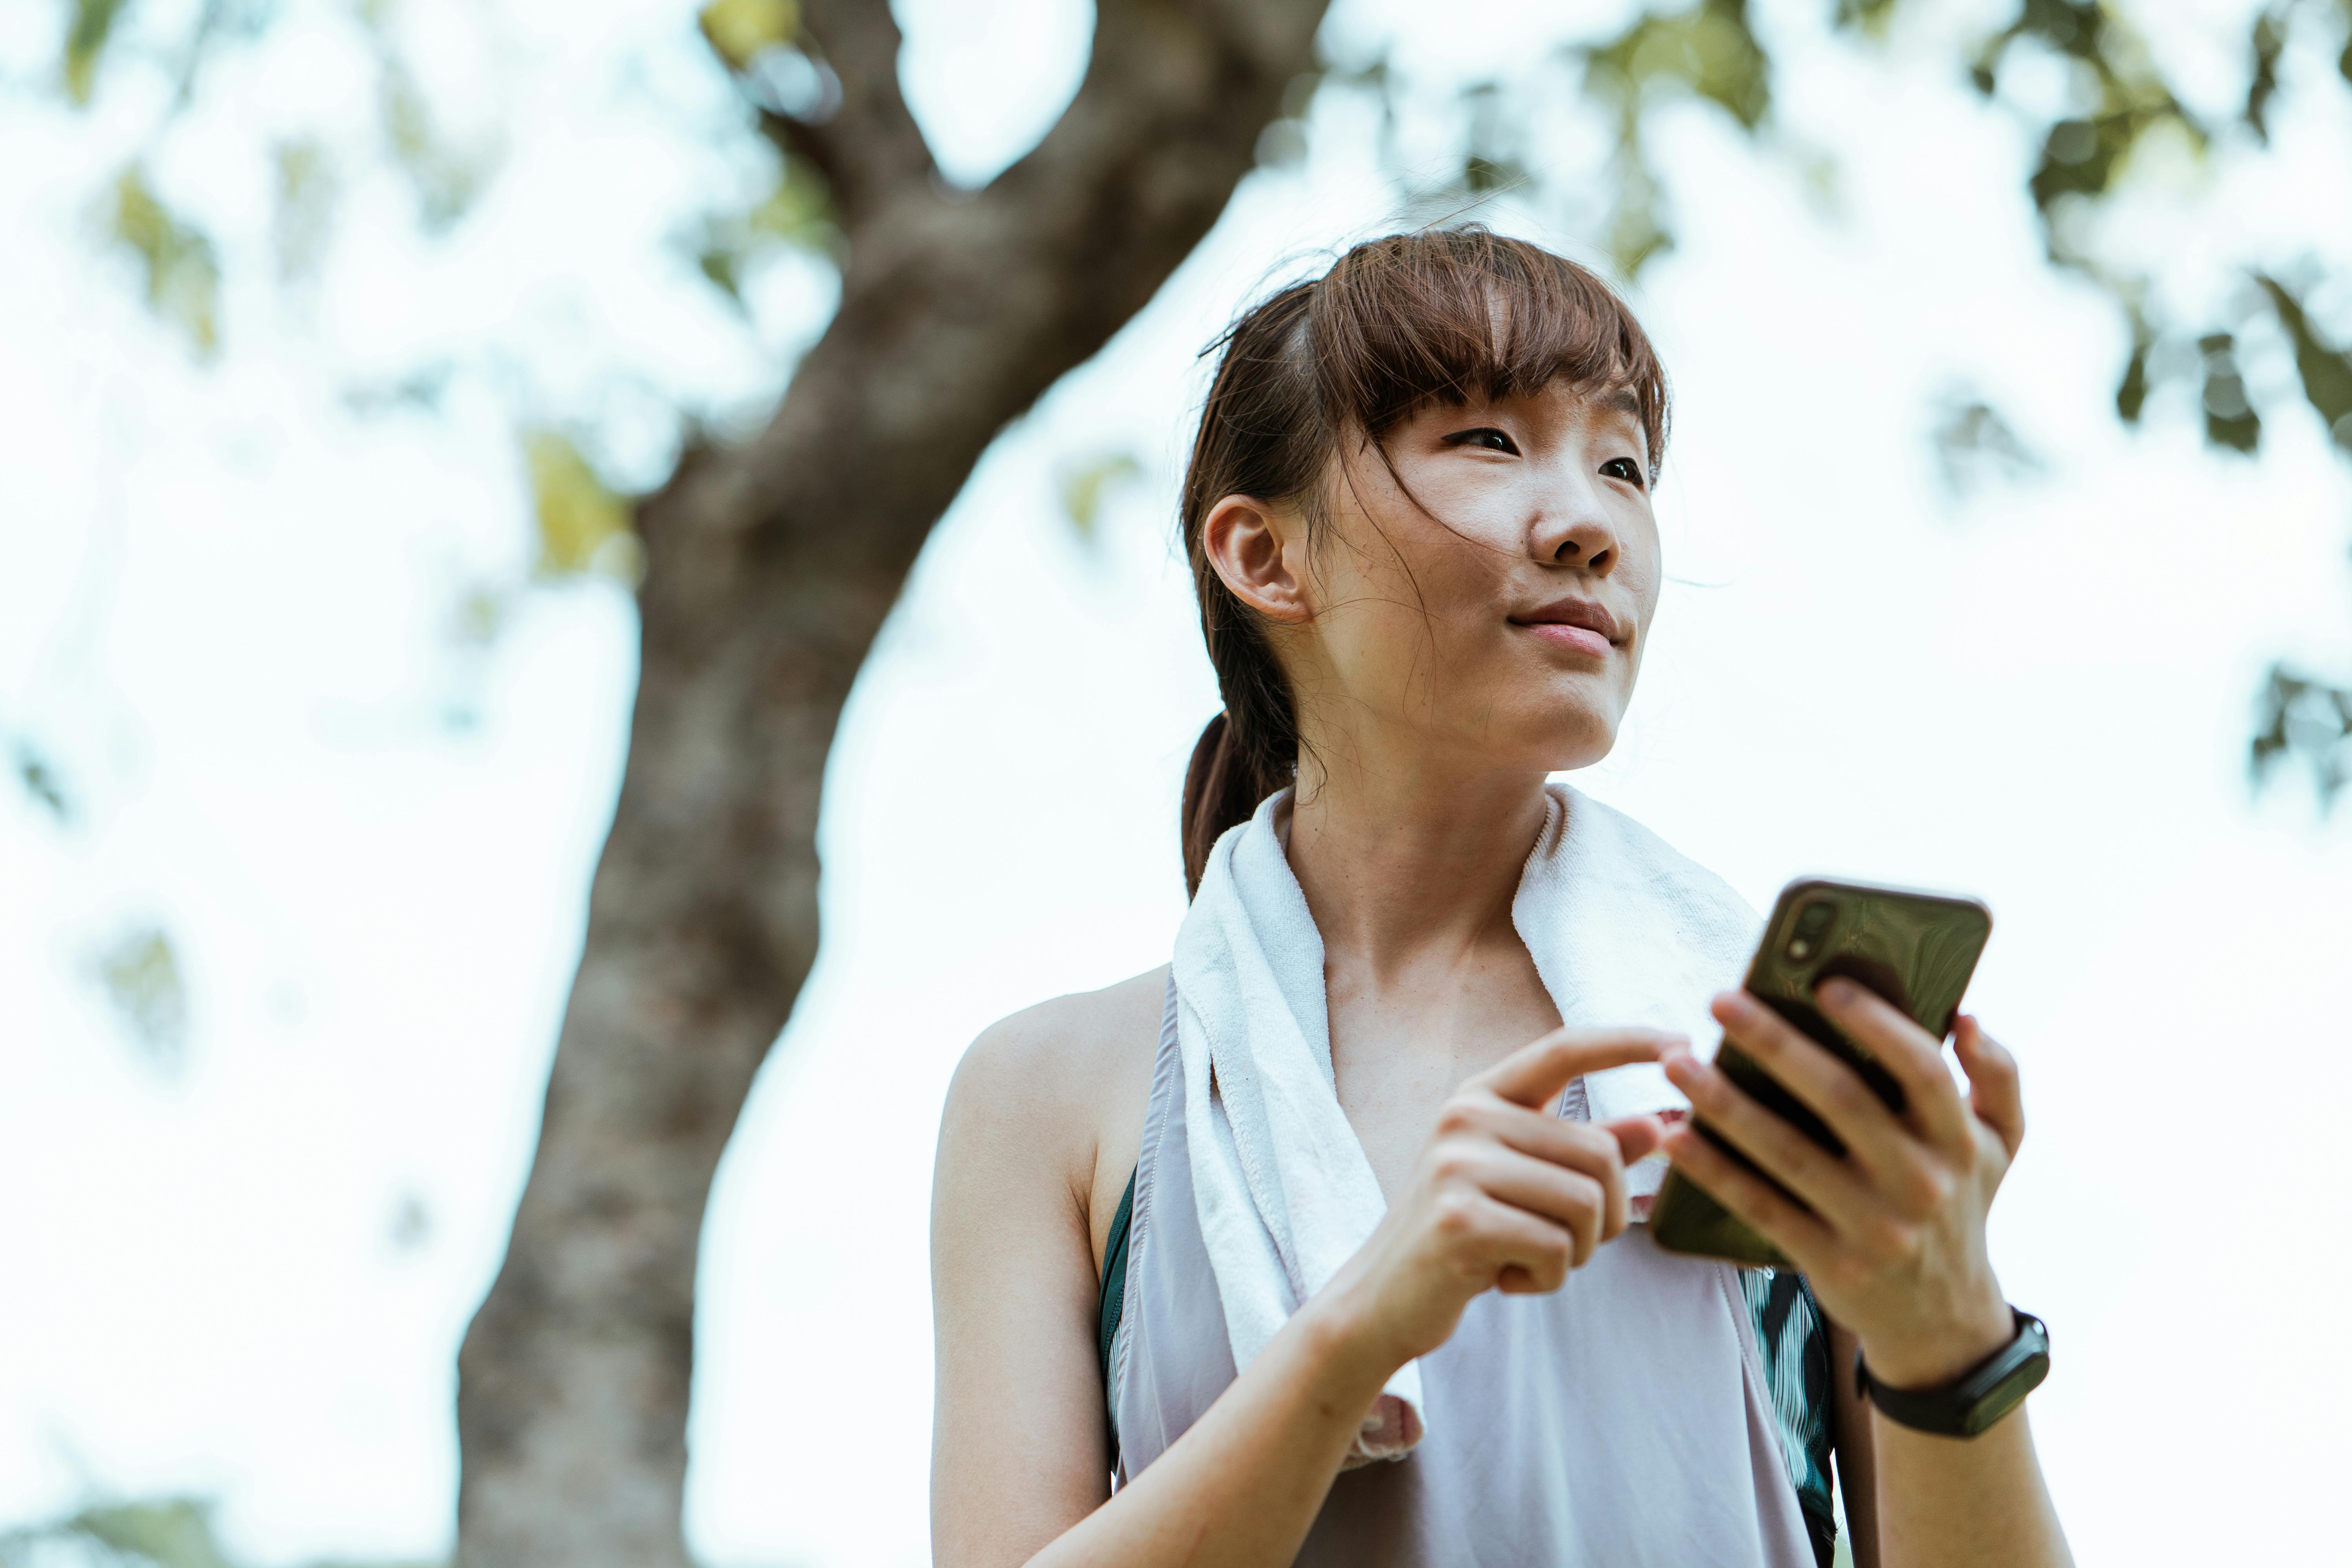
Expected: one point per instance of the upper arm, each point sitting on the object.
(1019, 1447)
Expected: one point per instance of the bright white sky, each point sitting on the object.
(225, 609)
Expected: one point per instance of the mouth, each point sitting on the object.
(1580, 625)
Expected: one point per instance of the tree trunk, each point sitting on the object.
(769, 569)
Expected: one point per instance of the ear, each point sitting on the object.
(1260, 552)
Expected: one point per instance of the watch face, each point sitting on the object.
(2004, 1395)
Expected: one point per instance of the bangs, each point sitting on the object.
(1454, 315)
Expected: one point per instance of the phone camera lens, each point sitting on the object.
(1812, 923)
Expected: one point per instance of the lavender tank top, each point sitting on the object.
(1622, 1420)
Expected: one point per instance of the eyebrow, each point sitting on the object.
(1621, 400)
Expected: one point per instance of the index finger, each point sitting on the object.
(1533, 1074)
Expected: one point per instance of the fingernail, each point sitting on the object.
(1838, 990)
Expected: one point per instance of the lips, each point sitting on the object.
(1578, 624)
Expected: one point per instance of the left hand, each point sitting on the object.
(1895, 1245)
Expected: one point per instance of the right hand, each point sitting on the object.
(1505, 1195)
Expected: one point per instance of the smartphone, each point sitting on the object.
(1915, 950)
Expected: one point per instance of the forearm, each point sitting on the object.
(1950, 1502)
(1243, 1484)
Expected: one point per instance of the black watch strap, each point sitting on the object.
(1972, 1401)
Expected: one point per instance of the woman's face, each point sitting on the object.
(1505, 623)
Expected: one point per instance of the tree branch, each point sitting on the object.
(866, 144)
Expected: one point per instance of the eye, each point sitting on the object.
(1624, 469)
(1486, 439)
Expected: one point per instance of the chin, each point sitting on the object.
(1552, 743)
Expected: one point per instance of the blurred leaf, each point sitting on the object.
(2229, 420)
(2086, 155)
(798, 213)
(421, 389)
(2303, 717)
(2268, 43)
(182, 276)
(739, 29)
(304, 220)
(85, 33)
(583, 526)
(1087, 482)
(412, 1223)
(479, 614)
(2131, 394)
(1974, 443)
(1869, 15)
(154, 1532)
(2327, 371)
(1493, 160)
(445, 179)
(1707, 51)
(40, 780)
(172, 1532)
(140, 975)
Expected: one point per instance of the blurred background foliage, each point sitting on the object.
(2119, 133)
(158, 1532)
(2120, 159)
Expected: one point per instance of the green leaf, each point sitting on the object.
(583, 526)
(39, 777)
(1973, 443)
(2230, 419)
(739, 29)
(1086, 483)
(2131, 394)
(2325, 370)
(797, 213)
(85, 35)
(303, 223)
(140, 974)
(2300, 716)
(2268, 43)
(182, 276)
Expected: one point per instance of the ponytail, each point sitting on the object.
(1221, 789)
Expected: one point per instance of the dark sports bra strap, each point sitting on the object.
(1114, 1278)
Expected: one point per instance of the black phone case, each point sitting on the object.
(1917, 950)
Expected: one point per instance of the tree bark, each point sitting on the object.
(769, 569)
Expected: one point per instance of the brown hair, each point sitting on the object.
(1440, 315)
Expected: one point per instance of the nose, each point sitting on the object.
(1573, 530)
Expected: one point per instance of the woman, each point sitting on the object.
(1298, 1210)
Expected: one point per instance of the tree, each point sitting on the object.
(769, 568)
(769, 563)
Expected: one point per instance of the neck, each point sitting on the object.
(1400, 861)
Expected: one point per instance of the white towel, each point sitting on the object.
(1623, 930)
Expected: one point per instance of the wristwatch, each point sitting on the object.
(1973, 1401)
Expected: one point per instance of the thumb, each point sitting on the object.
(1637, 1136)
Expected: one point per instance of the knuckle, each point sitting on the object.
(1458, 1115)
(1890, 1241)
(1454, 1214)
(1926, 1191)
(1453, 1164)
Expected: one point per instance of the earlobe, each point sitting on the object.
(1259, 551)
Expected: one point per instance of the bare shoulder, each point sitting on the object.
(1065, 1083)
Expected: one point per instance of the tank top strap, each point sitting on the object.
(1167, 1079)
